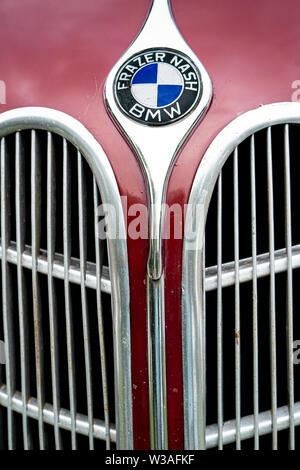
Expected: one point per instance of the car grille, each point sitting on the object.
(56, 390)
(251, 296)
(240, 327)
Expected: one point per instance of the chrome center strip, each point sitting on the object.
(157, 365)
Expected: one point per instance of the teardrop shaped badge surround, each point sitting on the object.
(157, 131)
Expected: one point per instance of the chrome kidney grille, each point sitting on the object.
(241, 328)
(252, 301)
(56, 326)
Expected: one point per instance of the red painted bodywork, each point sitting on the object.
(58, 54)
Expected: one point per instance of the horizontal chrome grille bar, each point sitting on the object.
(64, 419)
(247, 429)
(246, 268)
(58, 267)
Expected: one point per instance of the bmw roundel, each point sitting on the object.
(158, 86)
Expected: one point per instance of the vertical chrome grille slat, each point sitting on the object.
(289, 320)
(98, 254)
(203, 375)
(246, 268)
(272, 289)
(23, 316)
(37, 313)
(220, 318)
(85, 319)
(254, 293)
(237, 303)
(7, 293)
(51, 203)
(68, 305)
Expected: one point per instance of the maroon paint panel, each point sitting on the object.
(58, 54)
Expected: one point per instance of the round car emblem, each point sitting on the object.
(158, 86)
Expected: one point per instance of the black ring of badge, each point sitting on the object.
(186, 102)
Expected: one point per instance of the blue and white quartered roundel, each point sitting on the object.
(157, 85)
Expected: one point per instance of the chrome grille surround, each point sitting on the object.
(197, 280)
(114, 281)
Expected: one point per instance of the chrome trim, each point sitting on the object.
(22, 297)
(84, 307)
(237, 307)
(272, 312)
(247, 430)
(246, 271)
(68, 301)
(157, 364)
(193, 317)
(65, 417)
(99, 266)
(254, 294)
(156, 149)
(220, 376)
(36, 293)
(51, 289)
(10, 364)
(290, 313)
(72, 130)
